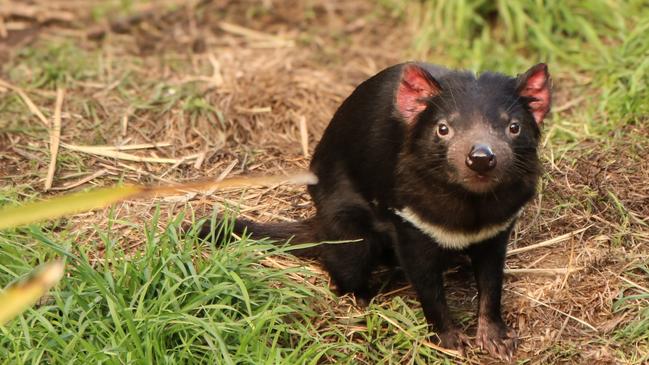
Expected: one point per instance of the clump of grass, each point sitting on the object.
(557, 32)
(636, 332)
(626, 77)
(180, 299)
(52, 64)
(167, 302)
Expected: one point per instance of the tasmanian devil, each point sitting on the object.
(419, 163)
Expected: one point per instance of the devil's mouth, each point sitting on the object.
(479, 183)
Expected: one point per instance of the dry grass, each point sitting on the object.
(213, 93)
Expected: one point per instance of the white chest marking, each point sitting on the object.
(446, 238)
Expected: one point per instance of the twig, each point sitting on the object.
(82, 181)
(55, 138)
(217, 78)
(101, 151)
(636, 285)
(24, 154)
(199, 160)
(254, 110)
(38, 13)
(529, 266)
(256, 35)
(221, 176)
(552, 271)
(550, 242)
(304, 136)
(130, 147)
(227, 170)
(124, 124)
(395, 291)
(30, 104)
(555, 309)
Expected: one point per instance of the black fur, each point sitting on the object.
(372, 162)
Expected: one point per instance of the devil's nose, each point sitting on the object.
(481, 158)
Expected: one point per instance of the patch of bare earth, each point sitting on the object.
(226, 88)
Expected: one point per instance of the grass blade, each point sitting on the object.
(15, 299)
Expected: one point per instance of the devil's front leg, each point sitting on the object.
(488, 260)
(421, 259)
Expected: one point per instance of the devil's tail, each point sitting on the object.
(296, 232)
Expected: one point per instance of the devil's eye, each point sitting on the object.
(443, 129)
(514, 128)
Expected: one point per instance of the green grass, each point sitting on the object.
(636, 332)
(53, 63)
(180, 300)
(163, 304)
(599, 47)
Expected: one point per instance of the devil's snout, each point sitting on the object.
(481, 158)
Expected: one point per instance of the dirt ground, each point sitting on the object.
(229, 88)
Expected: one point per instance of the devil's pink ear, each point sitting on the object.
(535, 84)
(415, 87)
